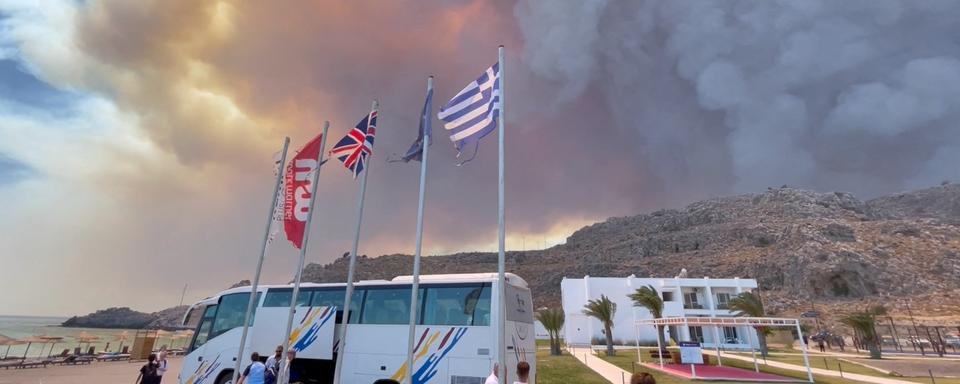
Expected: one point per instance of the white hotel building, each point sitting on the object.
(683, 297)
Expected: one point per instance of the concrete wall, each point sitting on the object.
(580, 329)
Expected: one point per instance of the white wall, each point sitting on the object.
(580, 329)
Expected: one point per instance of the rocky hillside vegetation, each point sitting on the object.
(804, 247)
(127, 318)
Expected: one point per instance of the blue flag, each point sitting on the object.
(416, 149)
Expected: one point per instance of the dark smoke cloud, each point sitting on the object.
(852, 95)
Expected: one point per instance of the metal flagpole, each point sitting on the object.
(251, 303)
(303, 246)
(501, 278)
(353, 263)
(414, 290)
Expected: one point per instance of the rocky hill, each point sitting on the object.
(129, 319)
(803, 247)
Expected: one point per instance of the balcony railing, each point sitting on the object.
(692, 306)
(723, 306)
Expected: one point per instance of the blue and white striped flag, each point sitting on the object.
(473, 112)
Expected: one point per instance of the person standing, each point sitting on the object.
(523, 373)
(254, 373)
(288, 372)
(493, 379)
(161, 365)
(273, 366)
(148, 372)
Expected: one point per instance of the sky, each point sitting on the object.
(136, 138)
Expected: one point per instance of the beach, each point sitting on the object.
(115, 372)
(21, 327)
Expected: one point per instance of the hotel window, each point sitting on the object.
(723, 300)
(667, 296)
(696, 334)
(690, 301)
(730, 335)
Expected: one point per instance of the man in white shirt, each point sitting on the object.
(493, 379)
(161, 364)
(273, 362)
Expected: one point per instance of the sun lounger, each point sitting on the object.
(113, 356)
(32, 364)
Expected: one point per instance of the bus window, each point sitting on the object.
(281, 298)
(202, 333)
(193, 318)
(456, 305)
(232, 309)
(327, 298)
(481, 313)
(387, 305)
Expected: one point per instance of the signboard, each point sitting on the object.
(690, 353)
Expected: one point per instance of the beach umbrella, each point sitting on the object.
(85, 338)
(9, 341)
(162, 334)
(122, 336)
(33, 339)
(53, 340)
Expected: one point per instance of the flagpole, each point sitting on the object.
(348, 295)
(306, 235)
(251, 303)
(501, 273)
(414, 290)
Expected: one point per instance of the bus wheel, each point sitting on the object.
(225, 378)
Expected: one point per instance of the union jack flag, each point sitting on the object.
(354, 148)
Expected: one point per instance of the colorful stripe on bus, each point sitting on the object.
(431, 365)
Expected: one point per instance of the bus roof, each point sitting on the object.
(512, 279)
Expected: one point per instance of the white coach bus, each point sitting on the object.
(456, 332)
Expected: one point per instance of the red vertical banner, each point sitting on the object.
(296, 191)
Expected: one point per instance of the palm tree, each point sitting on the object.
(647, 297)
(865, 323)
(749, 304)
(552, 320)
(603, 309)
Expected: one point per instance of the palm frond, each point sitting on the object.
(602, 309)
(747, 304)
(647, 297)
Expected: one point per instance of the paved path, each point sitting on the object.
(823, 372)
(609, 371)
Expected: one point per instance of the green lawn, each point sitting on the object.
(626, 361)
(564, 369)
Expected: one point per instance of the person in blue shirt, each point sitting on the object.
(254, 373)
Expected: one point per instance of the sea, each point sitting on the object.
(20, 327)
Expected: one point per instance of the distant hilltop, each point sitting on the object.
(126, 318)
(803, 247)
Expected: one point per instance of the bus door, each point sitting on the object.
(193, 363)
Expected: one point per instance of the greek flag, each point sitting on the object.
(473, 112)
